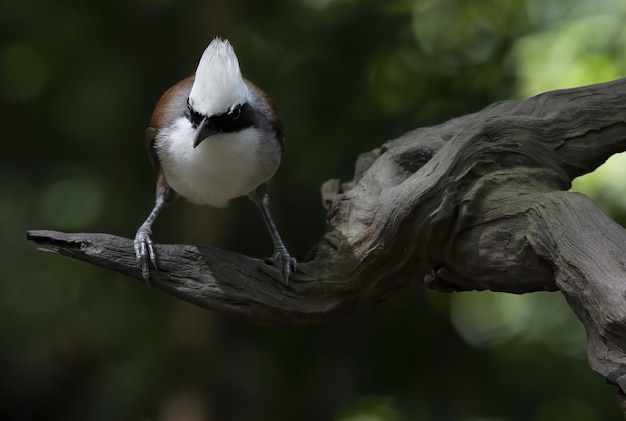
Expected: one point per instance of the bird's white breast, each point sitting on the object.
(222, 167)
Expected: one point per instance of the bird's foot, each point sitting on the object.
(144, 250)
(283, 261)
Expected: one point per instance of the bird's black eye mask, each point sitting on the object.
(237, 118)
(194, 117)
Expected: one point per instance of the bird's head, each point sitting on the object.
(219, 98)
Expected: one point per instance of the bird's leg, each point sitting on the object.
(144, 247)
(281, 255)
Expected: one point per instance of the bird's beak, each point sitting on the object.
(204, 130)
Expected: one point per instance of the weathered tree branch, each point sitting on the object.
(479, 202)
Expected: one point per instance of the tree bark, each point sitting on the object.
(479, 202)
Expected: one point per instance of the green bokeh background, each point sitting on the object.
(78, 81)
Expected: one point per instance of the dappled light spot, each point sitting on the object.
(474, 38)
(575, 54)
(371, 408)
(486, 319)
(23, 73)
(606, 186)
(483, 319)
(183, 405)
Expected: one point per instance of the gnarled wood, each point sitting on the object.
(478, 202)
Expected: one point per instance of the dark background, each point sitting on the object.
(78, 81)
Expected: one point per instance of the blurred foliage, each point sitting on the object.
(371, 408)
(606, 186)
(78, 81)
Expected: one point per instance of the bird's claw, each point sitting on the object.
(285, 262)
(144, 250)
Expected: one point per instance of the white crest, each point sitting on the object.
(218, 85)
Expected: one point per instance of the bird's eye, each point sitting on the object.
(194, 116)
(235, 112)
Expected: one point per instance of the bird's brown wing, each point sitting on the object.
(152, 154)
(169, 108)
(272, 113)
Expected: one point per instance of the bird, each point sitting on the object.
(214, 136)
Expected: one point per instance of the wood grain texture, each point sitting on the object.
(479, 202)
